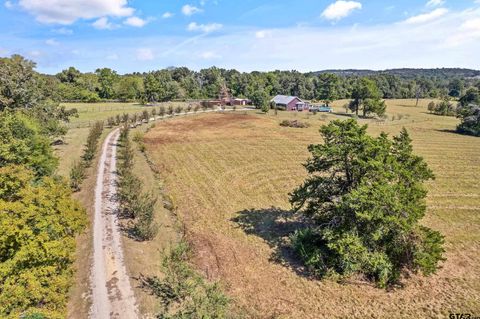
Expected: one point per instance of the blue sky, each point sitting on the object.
(304, 35)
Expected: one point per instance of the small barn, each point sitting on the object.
(239, 101)
(290, 103)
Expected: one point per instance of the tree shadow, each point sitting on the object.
(274, 225)
(449, 131)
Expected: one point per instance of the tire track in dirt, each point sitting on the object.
(112, 294)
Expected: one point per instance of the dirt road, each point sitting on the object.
(112, 294)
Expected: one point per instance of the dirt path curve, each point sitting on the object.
(112, 295)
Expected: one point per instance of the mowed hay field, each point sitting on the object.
(230, 174)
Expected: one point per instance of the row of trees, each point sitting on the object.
(467, 109)
(182, 83)
(134, 203)
(78, 171)
(38, 217)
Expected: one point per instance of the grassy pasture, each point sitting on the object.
(92, 112)
(229, 175)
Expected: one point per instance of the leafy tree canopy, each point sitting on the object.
(38, 222)
(365, 196)
(22, 142)
(469, 113)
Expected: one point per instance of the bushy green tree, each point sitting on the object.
(326, 87)
(366, 97)
(38, 225)
(366, 197)
(470, 119)
(19, 87)
(107, 79)
(22, 143)
(130, 88)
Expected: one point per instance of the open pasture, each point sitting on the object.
(230, 174)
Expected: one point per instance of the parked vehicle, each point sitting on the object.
(322, 108)
(325, 108)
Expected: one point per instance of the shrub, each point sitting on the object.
(183, 293)
(444, 108)
(77, 175)
(145, 227)
(145, 116)
(110, 122)
(470, 119)
(161, 111)
(92, 142)
(294, 123)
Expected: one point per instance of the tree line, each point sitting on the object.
(182, 83)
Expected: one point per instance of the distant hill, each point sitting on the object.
(410, 73)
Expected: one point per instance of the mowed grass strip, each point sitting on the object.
(227, 171)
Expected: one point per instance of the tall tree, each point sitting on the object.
(18, 83)
(366, 97)
(326, 87)
(107, 79)
(365, 196)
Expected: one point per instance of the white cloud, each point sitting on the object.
(63, 31)
(206, 28)
(69, 11)
(52, 42)
(103, 24)
(435, 3)
(262, 34)
(145, 54)
(427, 17)
(167, 15)
(208, 55)
(135, 22)
(469, 31)
(8, 4)
(340, 9)
(189, 10)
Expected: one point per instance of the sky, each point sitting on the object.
(248, 35)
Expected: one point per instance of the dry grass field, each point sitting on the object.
(230, 174)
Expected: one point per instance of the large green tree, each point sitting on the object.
(365, 197)
(366, 97)
(22, 142)
(38, 225)
(469, 113)
(107, 78)
(19, 86)
(326, 87)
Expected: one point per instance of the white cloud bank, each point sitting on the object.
(340, 9)
(68, 11)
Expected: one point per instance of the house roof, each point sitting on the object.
(284, 99)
